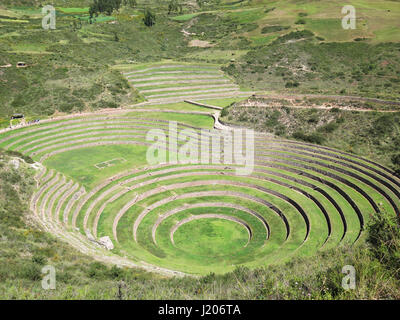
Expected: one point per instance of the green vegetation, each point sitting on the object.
(373, 134)
(149, 18)
(324, 192)
(212, 237)
(104, 6)
(71, 66)
(175, 6)
(70, 69)
(271, 29)
(320, 67)
(396, 163)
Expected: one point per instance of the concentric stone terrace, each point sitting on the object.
(196, 218)
(174, 82)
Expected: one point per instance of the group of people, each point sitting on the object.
(33, 121)
(24, 123)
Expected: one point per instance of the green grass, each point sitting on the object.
(213, 55)
(88, 76)
(184, 17)
(80, 164)
(73, 10)
(181, 106)
(201, 121)
(221, 102)
(211, 237)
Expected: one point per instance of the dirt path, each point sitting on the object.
(201, 67)
(260, 105)
(321, 96)
(137, 75)
(183, 77)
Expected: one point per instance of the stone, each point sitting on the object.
(89, 235)
(15, 163)
(106, 242)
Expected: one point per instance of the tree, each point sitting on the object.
(130, 3)
(149, 18)
(104, 6)
(396, 164)
(200, 3)
(174, 6)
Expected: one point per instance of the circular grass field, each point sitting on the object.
(196, 218)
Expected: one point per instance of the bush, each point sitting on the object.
(329, 127)
(19, 155)
(311, 138)
(270, 29)
(225, 111)
(296, 35)
(300, 21)
(384, 237)
(292, 84)
(149, 18)
(39, 259)
(396, 164)
(30, 271)
(115, 272)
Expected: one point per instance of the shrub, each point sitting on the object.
(328, 128)
(225, 111)
(149, 18)
(18, 154)
(300, 21)
(311, 138)
(115, 272)
(313, 119)
(97, 270)
(39, 259)
(295, 35)
(30, 271)
(269, 10)
(384, 237)
(270, 29)
(396, 163)
(292, 84)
